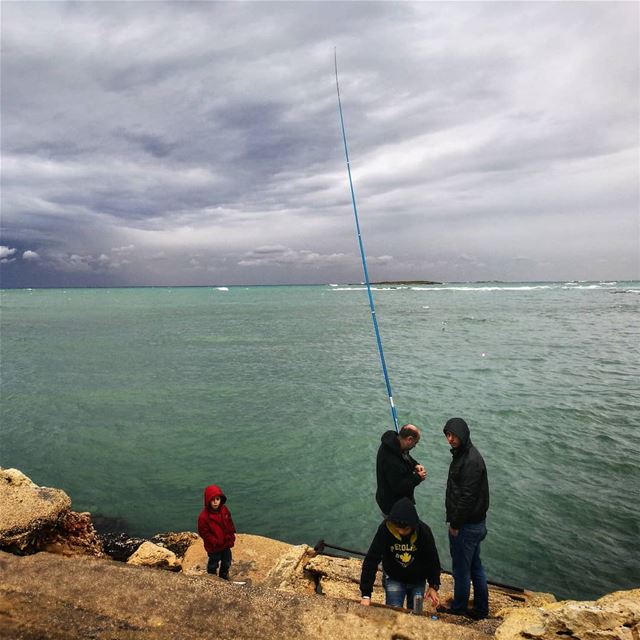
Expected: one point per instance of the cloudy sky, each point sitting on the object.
(199, 142)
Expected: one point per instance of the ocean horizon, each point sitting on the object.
(408, 283)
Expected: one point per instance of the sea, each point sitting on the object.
(132, 400)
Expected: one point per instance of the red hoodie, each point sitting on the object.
(216, 528)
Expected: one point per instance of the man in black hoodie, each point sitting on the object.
(467, 502)
(397, 473)
(409, 558)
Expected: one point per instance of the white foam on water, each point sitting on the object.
(583, 286)
(222, 288)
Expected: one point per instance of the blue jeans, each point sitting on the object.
(223, 558)
(467, 568)
(395, 591)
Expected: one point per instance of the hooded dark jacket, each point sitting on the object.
(467, 499)
(395, 473)
(216, 528)
(410, 559)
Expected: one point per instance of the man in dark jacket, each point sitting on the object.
(397, 472)
(467, 502)
(409, 558)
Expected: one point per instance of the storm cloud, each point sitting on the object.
(199, 143)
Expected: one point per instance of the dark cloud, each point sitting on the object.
(487, 141)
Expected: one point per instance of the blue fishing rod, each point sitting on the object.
(394, 415)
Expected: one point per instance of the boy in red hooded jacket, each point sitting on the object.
(216, 528)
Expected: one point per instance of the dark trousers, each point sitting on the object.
(222, 558)
(467, 568)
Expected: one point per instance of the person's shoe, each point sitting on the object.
(224, 576)
(474, 614)
(449, 611)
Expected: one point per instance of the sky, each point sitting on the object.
(199, 143)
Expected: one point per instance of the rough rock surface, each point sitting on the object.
(177, 542)
(34, 518)
(614, 617)
(253, 557)
(288, 573)
(28, 511)
(276, 564)
(120, 546)
(73, 534)
(152, 555)
(83, 597)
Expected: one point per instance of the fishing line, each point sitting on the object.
(394, 415)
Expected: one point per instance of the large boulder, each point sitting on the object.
(28, 512)
(34, 518)
(614, 617)
(152, 555)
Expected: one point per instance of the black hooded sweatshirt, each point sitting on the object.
(395, 472)
(411, 558)
(467, 499)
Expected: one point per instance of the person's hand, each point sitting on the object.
(421, 471)
(432, 594)
(453, 532)
(365, 601)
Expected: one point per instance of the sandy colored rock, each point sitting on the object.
(153, 555)
(253, 557)
(340, 577)
(614, 617)
(82, 597)
(27, 511)
(288, 574)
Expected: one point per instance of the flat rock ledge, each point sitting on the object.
(159, 589)
(60, 598)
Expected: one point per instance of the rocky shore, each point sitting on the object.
(61, 579)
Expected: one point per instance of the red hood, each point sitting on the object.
(213, 491)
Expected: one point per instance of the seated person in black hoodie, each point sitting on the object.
(406, 547)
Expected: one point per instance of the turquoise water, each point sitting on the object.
(132, 400)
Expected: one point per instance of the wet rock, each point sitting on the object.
(120, 546)
(74, 534)
(176, 542)
(29, 512)
(613, 617)
(152, 555)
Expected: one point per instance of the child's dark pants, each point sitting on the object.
(222, 558)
